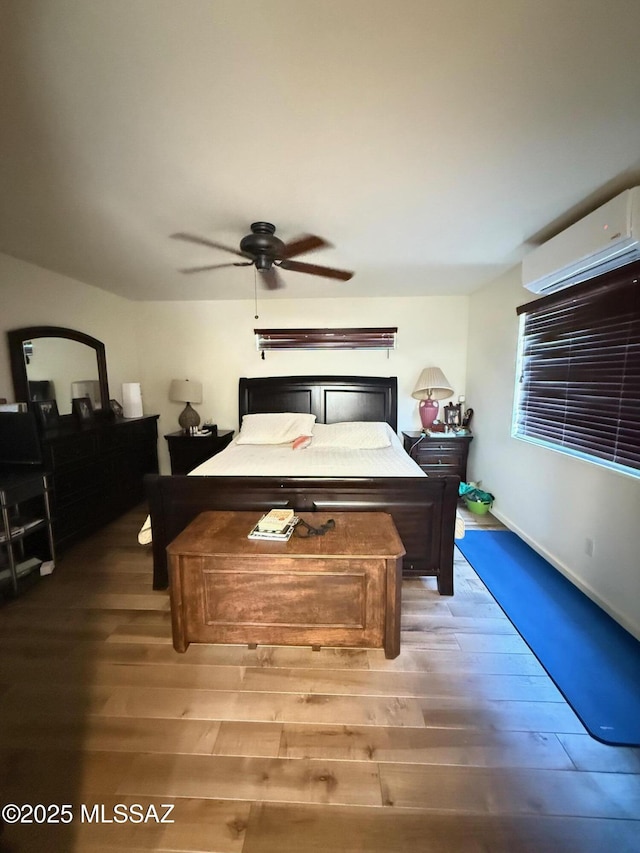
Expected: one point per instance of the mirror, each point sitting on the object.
(53, 363)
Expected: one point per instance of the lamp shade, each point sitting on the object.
(185, 391)
(432, 385)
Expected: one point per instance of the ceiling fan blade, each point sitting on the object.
(312, 269)
(271, 279)
(215, 267)
(305, 243)
(201, 241)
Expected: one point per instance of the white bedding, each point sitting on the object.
(280, 460)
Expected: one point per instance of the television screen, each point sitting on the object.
(19, 439)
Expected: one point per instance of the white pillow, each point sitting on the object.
(361, 435)
(274, 427)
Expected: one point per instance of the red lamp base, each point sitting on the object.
(428, 412)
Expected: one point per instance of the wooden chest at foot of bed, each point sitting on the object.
(340, 589)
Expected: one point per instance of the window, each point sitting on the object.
(578, 376)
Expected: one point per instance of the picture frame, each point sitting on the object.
(82, 408)
(453, 415)
(116, 408)
(46, 413)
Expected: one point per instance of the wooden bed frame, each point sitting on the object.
(423, 508)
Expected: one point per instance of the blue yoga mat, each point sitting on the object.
(592, 660)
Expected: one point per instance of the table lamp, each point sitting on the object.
(431, 386)
(186, 391)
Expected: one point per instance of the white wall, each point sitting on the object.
(214, 343)
(32, 296)
(551, 500)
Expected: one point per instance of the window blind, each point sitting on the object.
(579, 369)
(282, 339)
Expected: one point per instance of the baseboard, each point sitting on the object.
(591, 593)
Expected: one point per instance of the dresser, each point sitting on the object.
(96, 472)
(95, 460)
(439, 455)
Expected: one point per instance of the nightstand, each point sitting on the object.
(188, 451)
(439, 455)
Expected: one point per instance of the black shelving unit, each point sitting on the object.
(26, 535)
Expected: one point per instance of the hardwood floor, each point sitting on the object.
(462, 743)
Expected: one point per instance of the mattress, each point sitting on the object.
(280, 460)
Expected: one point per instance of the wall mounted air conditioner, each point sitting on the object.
(604, 240)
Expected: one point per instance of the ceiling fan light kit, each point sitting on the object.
(262, 245)
(267, 252)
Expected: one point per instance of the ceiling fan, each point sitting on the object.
(267, 252)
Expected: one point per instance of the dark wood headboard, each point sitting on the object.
(331, 399)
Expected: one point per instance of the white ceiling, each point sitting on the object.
(428, 140)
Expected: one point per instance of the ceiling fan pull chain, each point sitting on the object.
(255, 293)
